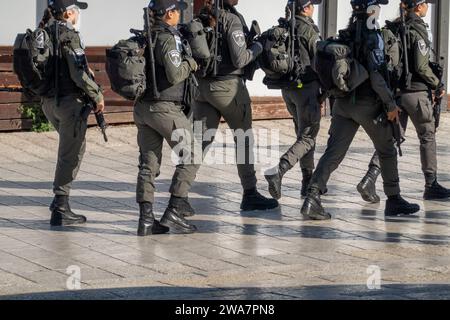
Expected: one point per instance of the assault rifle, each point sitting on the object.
(396, 126)
(57, 52)
(407, 73)
(188, 52)
(396, 130)
(90, 106)
(255, 32)
(293, 26)
(217, 36)
(296, 67)
(252, 37)
(438, 70)
(151, 53)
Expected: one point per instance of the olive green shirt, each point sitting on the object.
(73, 52)
(169, 54)
(420, 45)
(308, 34)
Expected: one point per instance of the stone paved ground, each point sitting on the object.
(269, 255)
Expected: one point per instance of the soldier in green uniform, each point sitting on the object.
(358, 109)
(302, 103)
(226, 95)
(159, 116)
(416, 102)
(63, 108)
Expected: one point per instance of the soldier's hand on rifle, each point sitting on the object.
(442, 93)
(100, 106)
(394, 116)
(192, 63)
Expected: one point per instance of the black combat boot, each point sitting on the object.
(307, 176)
(367, 187)
(254, 201)
(435, 191)
(62, 215)
(397, 206)
(174, 216)
(147, 223)
(275, 180)
(312, 207)
(52, 205)
(186, 208)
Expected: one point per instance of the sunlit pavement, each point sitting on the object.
(255, 255)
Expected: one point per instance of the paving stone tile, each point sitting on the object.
(235, 255)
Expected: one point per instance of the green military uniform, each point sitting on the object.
(348, 115)
(416, 101)
(361, 108)
(226, 95)
(303, 103)
(157, 118)
(65, 116)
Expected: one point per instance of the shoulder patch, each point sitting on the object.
(175, 57)
(79, 52)
(423, 47)
(39, 41)
(239, 38)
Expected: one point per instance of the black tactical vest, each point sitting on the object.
(167, 91)
(67, 86)
(226, 66)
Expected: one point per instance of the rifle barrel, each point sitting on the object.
(92, 106)
(57, 55)
(102, 124)
(408, 75)
(148, 30)
(217, 35)
(293, 22)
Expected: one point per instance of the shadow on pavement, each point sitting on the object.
(340, 292)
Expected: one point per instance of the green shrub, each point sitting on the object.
(35, 113)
